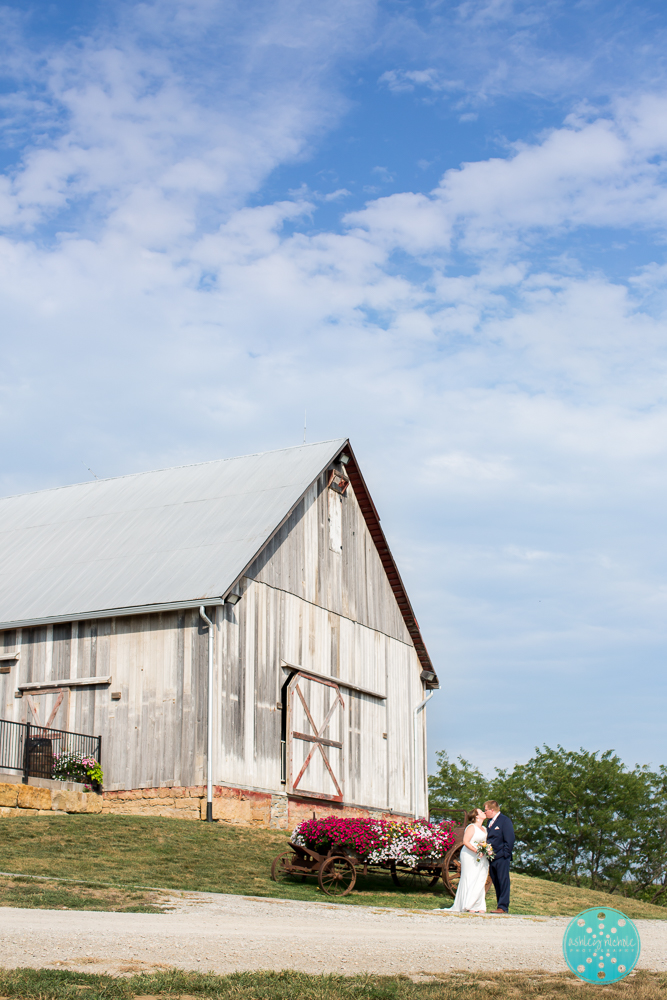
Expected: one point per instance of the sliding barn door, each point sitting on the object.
(315, 735)
(47, 709)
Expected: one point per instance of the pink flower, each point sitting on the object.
(378, 841)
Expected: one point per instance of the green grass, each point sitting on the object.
(171, 854)
(46, 984)
(128, 852)
(52, 895)
(536, 895)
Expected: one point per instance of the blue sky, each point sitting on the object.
(438, 227)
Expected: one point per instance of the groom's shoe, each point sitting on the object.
(499, 911)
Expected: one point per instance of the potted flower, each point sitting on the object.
(71, 765)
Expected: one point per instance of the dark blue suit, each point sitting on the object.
(500, 834)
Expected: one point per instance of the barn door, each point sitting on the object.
(46, 711)
(316, 715)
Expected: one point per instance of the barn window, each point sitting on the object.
(338, 483)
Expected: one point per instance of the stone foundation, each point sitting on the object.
(174, 803)
(301, 809)
(241, 807)
(230, 805)
(32, 800)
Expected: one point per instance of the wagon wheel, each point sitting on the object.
(413, 879)
(451, 871)
(281, 869)
(337, 876)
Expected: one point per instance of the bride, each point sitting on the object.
(471, 894)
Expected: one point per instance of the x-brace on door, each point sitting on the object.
(315, 735)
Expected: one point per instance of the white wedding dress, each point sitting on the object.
(471, 894)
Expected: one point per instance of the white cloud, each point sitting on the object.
(384, 175)
(608, 172)
(337, 194)
(124, 118)
(519, 49)
(405, 81)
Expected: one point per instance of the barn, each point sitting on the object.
(236, 631)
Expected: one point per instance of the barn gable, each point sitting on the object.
(318, 599)
(324, 554)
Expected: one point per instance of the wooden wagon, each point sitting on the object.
(337, 870)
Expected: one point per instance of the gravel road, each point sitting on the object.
(224, 933)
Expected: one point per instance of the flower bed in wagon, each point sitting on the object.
(377, 842)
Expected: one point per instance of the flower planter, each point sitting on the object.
(75, 766)
(334, 850)
(377, 842)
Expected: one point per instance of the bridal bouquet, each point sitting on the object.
(484, 850)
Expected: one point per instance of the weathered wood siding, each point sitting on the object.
(271, 627)
(317, 598)
(156, 734)
(324, 554)
(9, 641)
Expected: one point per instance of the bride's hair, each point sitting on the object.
(472, 814)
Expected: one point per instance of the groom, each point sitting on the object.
(500, 834)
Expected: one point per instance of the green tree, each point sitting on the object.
(646, 852)
(579, 816)
(456, 786)
(582, 818)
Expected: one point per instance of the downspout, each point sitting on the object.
(415, 752)
(209, 720)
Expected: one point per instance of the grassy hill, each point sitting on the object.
(538, 896)
(116, 860)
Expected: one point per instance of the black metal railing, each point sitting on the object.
(35, 750)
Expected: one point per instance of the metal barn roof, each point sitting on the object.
(174, 537)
